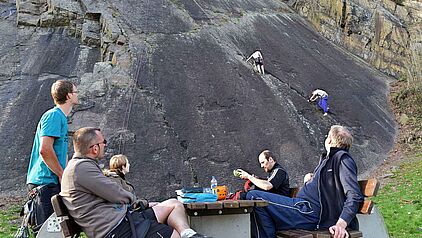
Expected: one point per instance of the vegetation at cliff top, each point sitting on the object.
(407, 104)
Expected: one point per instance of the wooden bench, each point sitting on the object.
(225, 218)
(68, 225)
(369, 189)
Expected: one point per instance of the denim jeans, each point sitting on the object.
(282, 213)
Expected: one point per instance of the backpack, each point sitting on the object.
(28, 220)
(37, 208)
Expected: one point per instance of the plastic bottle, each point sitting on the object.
(214, 185)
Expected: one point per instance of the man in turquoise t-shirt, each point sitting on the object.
(49, 151)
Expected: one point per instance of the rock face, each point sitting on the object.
(168, 84)
(385, 33)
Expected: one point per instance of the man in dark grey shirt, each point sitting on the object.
(278, 179)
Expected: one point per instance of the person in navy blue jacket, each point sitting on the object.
(330, 198)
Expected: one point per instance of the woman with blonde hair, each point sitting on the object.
(167, 219)
(119, 167)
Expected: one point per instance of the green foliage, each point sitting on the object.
(402, 78)
(400, 202)
(409, 100)
(9, 221)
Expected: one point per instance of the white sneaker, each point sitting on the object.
(189, 233)
(197, 235)
(325, 114)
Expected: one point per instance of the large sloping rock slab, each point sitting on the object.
(178, 98)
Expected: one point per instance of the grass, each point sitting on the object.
(400, 201)
(407, 99)
(9, 221)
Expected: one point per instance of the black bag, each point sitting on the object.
(132, 226)
(39, 205)
(138, 226)
(26, 212)
(22, 232)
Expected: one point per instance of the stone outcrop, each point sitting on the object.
(79, 18)
(385, 34)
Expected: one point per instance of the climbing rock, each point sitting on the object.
(91, 33)
(65, 8)
(113, 76)
(26, 19)
(110, 27)
(169, 87)
(91, 85)
(121, 40)
(29, 7)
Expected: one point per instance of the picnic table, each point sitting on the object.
(217, 219)
(225, 218)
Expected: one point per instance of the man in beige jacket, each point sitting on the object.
(100, 206)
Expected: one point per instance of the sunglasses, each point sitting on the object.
(102, 142)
